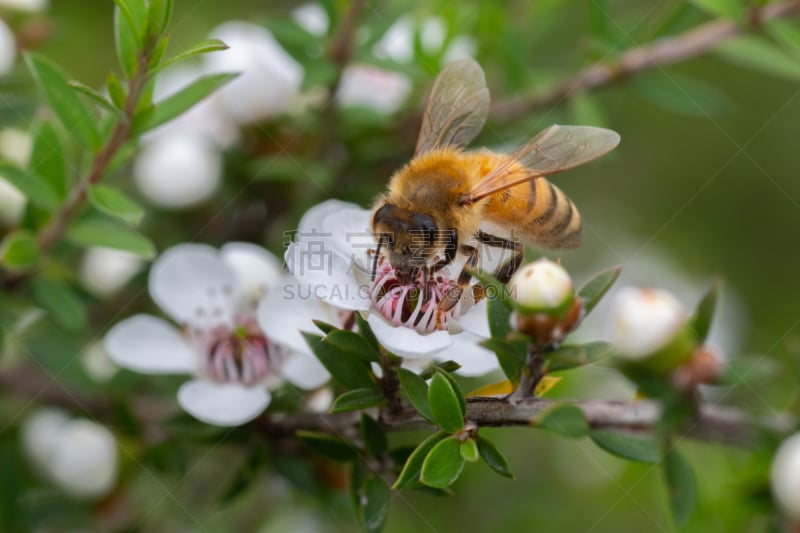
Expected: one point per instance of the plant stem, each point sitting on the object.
(532, 374)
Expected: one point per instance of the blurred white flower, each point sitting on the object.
(233, 361)
(30, 6)
(16, 146)
(97, 363)
(785, 476)
(642, 321)
(397, 43)
(105, 271)
(373, 88)
(178, 171)
(432, 34)
(77, 455)
(331, 260)
(313, 18)
(8, 48)
(270, 78)
(12, 203)
(541, 286)
(461, 47)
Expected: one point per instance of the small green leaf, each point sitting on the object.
(324, 327)
(354, 343)
(366, 331)
(18, 250)
(595, 289)
(703, 316)
(416, 390)
(510, 354)
(356, 399)
(786, 33)
(565, 419)
(328, 445)
(204, 47)
(35, 189)
(732, 9)
(376, 508)
(374, 437)
(96, 98)
(761, 55)
(111, 234)
(158, 15)
(48, 160)
(409, 476)
(443, 464)
(570, 356)
(66, 309)
(469, 450)
(640, 449)
(681, 485)
(114, 203)
(157, 54)
(346, 367)
(446, 366)
(67, 106)
(181, 101)
(445, 404)
(130, 19)
(116, 91)
(494, 458)
(456, 387)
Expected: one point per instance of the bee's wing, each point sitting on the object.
(457, 107)
(555, 149)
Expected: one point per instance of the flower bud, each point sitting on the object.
(542, 287)
(12, 204)
(650, 325)
(105, 271)
(785, 477)
(8, 48)
(313, 18)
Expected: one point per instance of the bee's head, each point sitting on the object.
(409, 238)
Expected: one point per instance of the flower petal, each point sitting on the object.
(313, 218)
(305, 371)
(223, 404)
(475, 360)
(407, 342)
(150, 345)
(326, 276)
(256, 270)
(476, 320)
(189, 279)
(285, 312)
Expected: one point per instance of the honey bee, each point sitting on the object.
(447, 200)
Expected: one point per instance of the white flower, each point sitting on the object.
(30, 6)
(461, 47)
(541, 285)
(785, 476)
(210, 294)
(12, 203)
(270, 78)
(313, 18)
(16, 146)
(77, 455)
(97, 363)
(642, 321)
(331, 260)
(8, 48)
(105, 271)
(373, 88)
(397, 43)
(178, 171)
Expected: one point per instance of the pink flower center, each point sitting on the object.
(411, 305)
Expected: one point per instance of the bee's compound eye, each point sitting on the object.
(425, 226)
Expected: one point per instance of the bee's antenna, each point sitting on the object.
(375, 259)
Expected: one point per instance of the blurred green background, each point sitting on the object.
(704, 183)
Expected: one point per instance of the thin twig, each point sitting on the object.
(667, 51)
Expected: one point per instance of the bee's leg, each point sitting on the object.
(506, 270)
(453, 295)
(450, 248)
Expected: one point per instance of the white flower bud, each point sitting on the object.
(8, 48)
(85, 459)
(178, 171)
(432, 34)
(313, 18)
(105, 271)
(541, 286)
(270, 78)
(785, 476)
(461, 47)
(97, 363)
(373, 88)
(397, 44)
(12, 203)
(30, 6)
(16, 146)
(39, 434)
(643, 321)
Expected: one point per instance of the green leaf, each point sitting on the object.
(66, 105)
(158, 15)
(111, 234)
(346, 367)
(732, 9)
(328, 445)
(416, 390)
(585, 109)
(570, 356)
(494, 458)
(156, 56)
(18, 250)
(366, 331)
(409, 476)
(114, 203)
(704, 315)
(469, 450)
(375, 441)
(96, 98)
(445, 404)
(681, 94)
(354, 343)
(246, 475)
(761, 55)
(453, 383)
(115, 90)
(565, 419)
(443, 464)
(204, 47)
(130, 19)
(596, 288)
(376, 507)
(498, 304)
(356, 399)
(510, 354)
(181, 101)
(786, 33)
(681, 485)
(64, 306)
(35, 189)
(48, 160)
(643, 450)
(324, 327)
